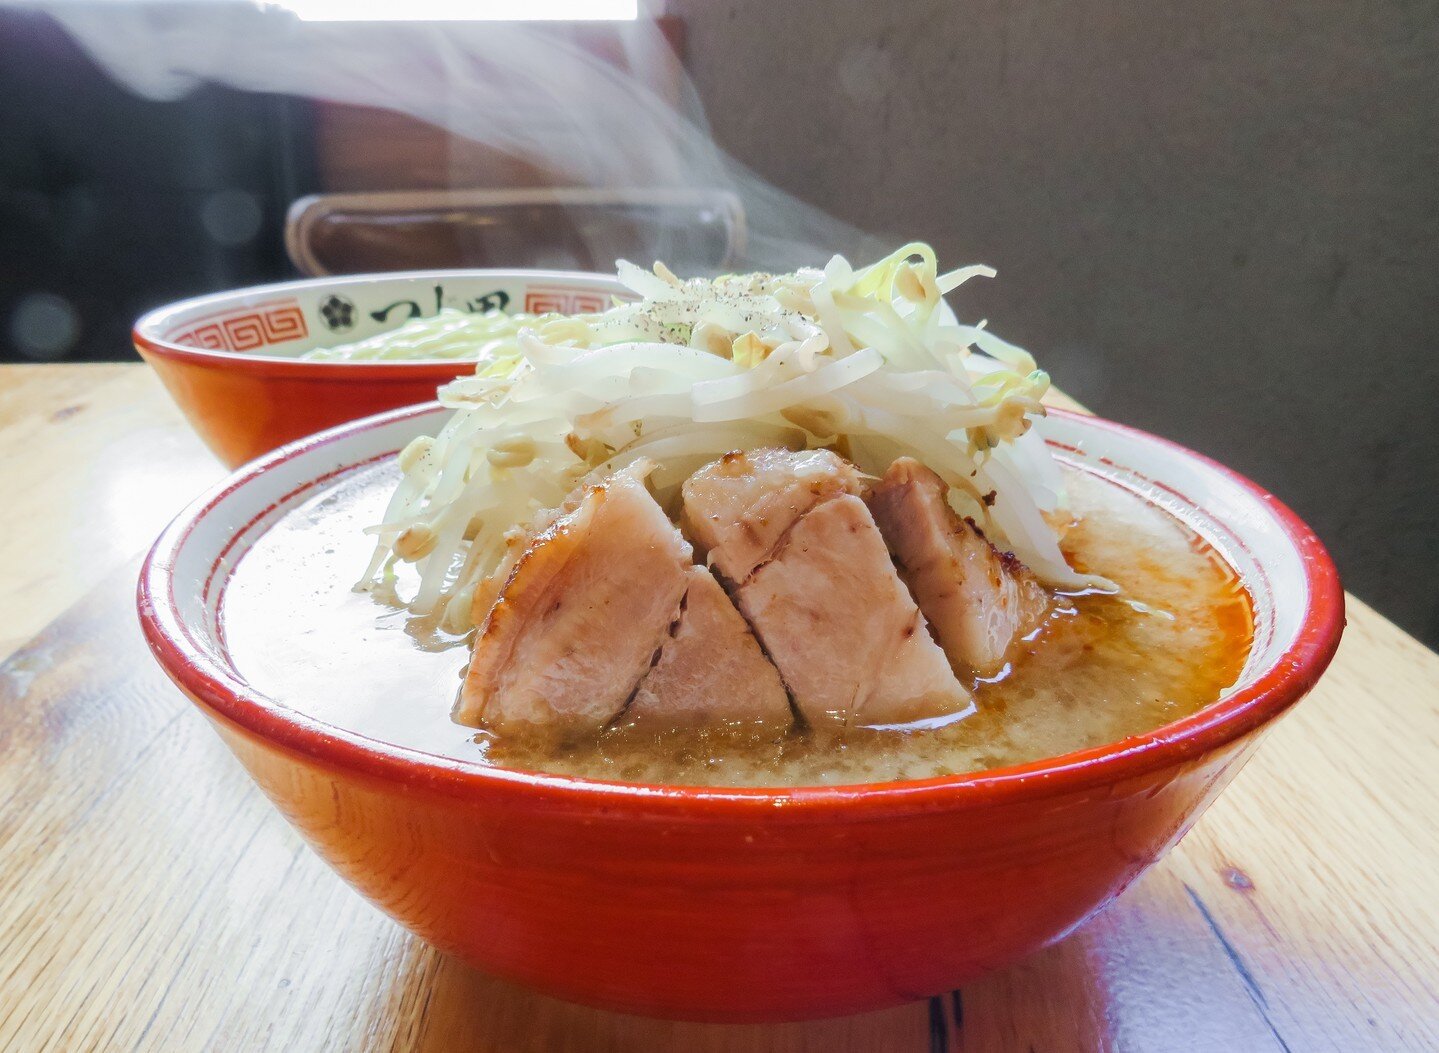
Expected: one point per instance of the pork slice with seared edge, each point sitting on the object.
(978, 599)
(710, 671)
(807, 567)
(582, 613)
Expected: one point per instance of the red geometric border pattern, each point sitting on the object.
(248, 329)
(564, 301)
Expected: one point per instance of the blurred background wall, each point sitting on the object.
(1218, 222)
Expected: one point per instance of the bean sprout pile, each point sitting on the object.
(865, 361)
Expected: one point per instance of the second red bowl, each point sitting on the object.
(231, 360)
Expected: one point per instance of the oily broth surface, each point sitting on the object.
(1098, 670)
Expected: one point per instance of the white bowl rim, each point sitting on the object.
(148, 327)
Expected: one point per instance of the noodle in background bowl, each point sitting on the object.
(743, 904)
(229, 359)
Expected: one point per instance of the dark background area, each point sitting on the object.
(1220, 223)
(111, 204)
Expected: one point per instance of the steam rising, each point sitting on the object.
(529, 90)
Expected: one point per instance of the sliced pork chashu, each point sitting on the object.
(809, 570)
(711, 670)
(978, 599)
(737, 508)
(576, 625)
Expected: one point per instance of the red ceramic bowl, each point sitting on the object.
(742, 904)
(229, 360)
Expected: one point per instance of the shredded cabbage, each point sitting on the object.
(864, 361)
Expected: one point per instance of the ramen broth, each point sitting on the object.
(1099, 669)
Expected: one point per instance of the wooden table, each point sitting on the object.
(150, 898)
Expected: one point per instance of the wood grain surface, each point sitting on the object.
(151, 899)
